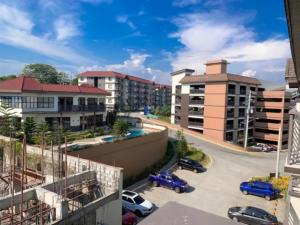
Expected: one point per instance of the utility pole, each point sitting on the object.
(278, 150)
(247, 120)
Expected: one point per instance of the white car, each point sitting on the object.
(135, 203)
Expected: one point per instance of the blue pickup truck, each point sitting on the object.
(258, 188)
(168, 180)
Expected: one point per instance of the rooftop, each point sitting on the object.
(224, 77)
(119, 75)
(175, 213)
(30, 84)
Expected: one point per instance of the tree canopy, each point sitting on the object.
(45, 73)
(120, 128)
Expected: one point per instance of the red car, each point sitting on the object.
(128, 218)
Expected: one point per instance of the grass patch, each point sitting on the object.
(197, 155)
(281, 183)
(155, 167)
(164, 119)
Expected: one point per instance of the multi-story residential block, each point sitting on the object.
(271, 117)
(214, 103)
(74, 107)
(127, 92)
(219, 104)
(292, 165)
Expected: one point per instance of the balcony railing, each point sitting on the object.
(196, 102)
(81, 108)
(195, 124)
(230, 114)
(294, 189)
(196, 113)
(242, 92)
(197, 91)
(293, 159)
(230, 103)
(229, 126)
(231, 91)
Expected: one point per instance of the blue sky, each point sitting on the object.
(148, 38)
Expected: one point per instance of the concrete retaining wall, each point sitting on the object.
(134, 155)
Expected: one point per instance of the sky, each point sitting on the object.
(149, 38)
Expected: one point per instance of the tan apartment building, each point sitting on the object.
(214, 103)
(271, 117)
(219, 104)
(127, 92)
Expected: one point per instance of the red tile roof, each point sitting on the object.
(29, 84)
(116, 75)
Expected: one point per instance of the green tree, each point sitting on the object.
(181, 144)
(45, 73)
(120, 128)
(8, 124)
(74, 81)
(29, 127)
(7, 77)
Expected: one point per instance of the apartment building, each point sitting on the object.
(214, 103)
(292, 165)
(74, 107)
(127, 92)
(271, 117)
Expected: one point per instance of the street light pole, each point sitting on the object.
(247, 120)
(278, 150)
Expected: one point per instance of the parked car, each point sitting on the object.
(135, 203)
(251, 215)
(263, 147)
(189, 164)
(128, 218)
(259, 188)
(168, 180)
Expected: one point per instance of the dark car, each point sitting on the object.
(168, 180)
(259, 188)
(189, 164)
(128, 218)
(251, 215)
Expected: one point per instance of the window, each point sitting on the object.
(81, 79)
(109, 86)
(11, 101)
(45, 102)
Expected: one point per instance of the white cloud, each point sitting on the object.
(125, 19)
(249, 73)
(66, 27)
(183, 3)
(9, 66)
(16, 30)
(214, 35)
(135, 65)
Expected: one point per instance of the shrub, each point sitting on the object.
(281, 183)
(181, 144)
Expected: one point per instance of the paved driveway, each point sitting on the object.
(218, 189)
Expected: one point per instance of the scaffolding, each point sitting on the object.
(16, 181)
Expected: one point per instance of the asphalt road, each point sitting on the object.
(218, 189)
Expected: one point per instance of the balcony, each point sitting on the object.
(229, 126)
(196, 124)
(231, 91)
(230, 114)
(81, 108)
(196, 113)
(197, 91)
(242, 91)
(230, 103)
(197, 102)
(270, 115)
(293, 159)
(294, 189)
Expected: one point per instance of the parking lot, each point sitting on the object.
(217, 189)
(210, 194)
